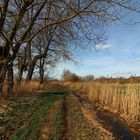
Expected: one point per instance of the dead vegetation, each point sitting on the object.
(27, 88)
(122, 99)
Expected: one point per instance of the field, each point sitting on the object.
(71, 111)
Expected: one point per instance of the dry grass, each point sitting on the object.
(123, 99)
(25, 88)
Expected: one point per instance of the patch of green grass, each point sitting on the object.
(21, 110)
(30, 129)
(32, 125)
(58, 91)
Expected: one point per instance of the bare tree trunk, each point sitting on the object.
(30, 62)
(3, 67)
(30, 70)
(41, 75)
(2, 78)
(10, 80)
(41, 70)
(20, 73)
(41, 65)
(21, 66)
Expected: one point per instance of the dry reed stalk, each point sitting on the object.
(123, 99)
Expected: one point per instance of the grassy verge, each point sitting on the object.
(22, 117)
(15, 113)
(30, 129)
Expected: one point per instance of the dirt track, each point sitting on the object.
(73, 123)
(68, 116)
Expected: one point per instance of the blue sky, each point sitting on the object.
(118, 56)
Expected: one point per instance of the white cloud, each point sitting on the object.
(102, 46)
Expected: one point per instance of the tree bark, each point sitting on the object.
(3, 66)
(2, 78)
(21, 66)
(20, 73)
(30, 70)
(10, 80)
(41, 71)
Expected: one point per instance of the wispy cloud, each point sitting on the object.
(102, 46)
(121, 73)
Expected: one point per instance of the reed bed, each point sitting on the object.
(123, 99)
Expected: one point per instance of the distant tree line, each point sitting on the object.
(121, 80)
(67, 75)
